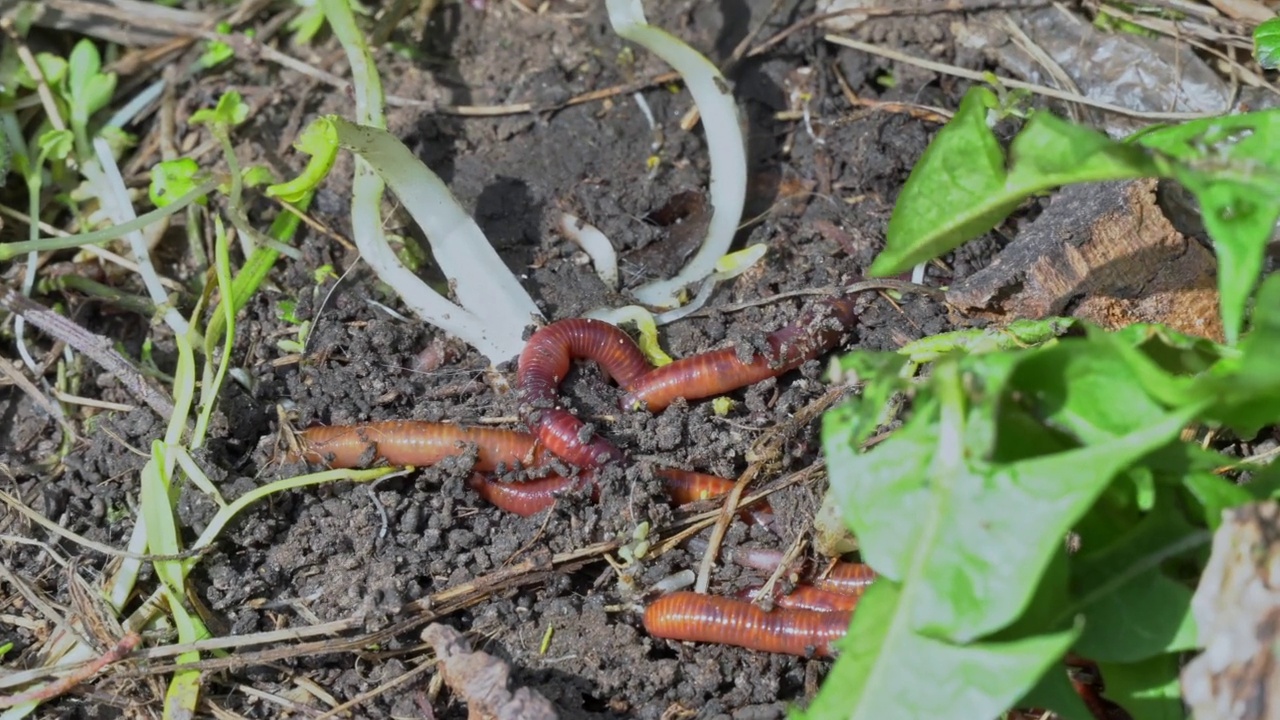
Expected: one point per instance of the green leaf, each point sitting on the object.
(1232, 165)
(879, 492)
(1020, 333)
(1217, 494)
(172, 179)
(1132, 610)
(56, 144)
(52, 67)
(88, 88)
(973, 533)
(1148, 690)
(1054, 692)
(866, 412)
(1266, 44)
(953, 193)
(959, 189)
(986, 553)
(230, 111)
(1085, 388)
(888, 670)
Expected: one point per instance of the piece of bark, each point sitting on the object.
(1237, 612)
(1106, 253)
(482, 680)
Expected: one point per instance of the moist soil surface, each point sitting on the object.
(820, 196)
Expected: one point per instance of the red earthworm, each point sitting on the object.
(721, 371)
(528, 497)
(808, 597)
(420, 443)
(545, 362)
(686, 487)
(705, 618)
(413, 442)
(845, 577)
(548, 354)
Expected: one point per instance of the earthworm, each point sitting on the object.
(808, 597)
(548, 354)
(845, 577)
(418, 443)
(545, 362)
(686, 487)
(695, 617)
(721, 371)
(528, 497)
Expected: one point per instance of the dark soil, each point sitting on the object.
(350, 550)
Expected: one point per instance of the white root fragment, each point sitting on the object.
(594, 243)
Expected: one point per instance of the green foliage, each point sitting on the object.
(964, 185)
(1266, 44)
(1007, 449)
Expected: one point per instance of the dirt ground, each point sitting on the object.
(822, 201)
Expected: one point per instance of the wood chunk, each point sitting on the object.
(1237, 611)
(482, 680)
(1102, 252)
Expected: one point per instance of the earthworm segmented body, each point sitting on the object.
(808, 597)
(420, 443)
(720, 371)
(845, 577)
(694, 617)
(547, 357)
(545, 362)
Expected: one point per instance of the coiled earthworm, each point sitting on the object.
(545, 362)
(808, 597)
(695, 617)
(547, 356)
(720, 371)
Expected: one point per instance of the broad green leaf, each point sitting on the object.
(1132, 610)
(953, 193)
(1232, 165)
(1266, 44)
(879, 371)
(1085, 388)
(1216, 494)
(1055, 692)
(992, 528)
(881, 491)
(887, 670)
(959, 189)
(1050, 152)
(1148, 690)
